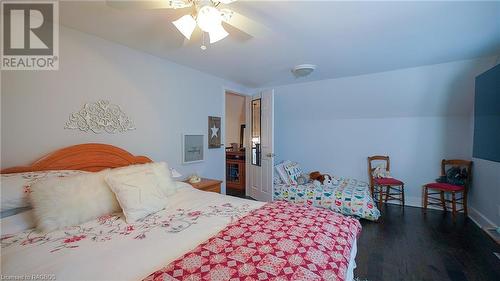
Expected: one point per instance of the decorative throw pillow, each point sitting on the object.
(280, 169)
(16, 187)
(139, 192)
(293, 171)
(380, 172)
(277, 180)
(60, 202)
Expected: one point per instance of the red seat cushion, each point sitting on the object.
(444, 186)
(387, 181)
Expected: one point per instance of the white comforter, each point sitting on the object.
(109, 249)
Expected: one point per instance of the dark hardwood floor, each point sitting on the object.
(408, 245)
(236, 193)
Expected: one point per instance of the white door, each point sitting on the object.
(260, 152)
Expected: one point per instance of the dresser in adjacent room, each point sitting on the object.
(235, 169)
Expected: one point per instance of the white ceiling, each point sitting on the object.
(342, 38)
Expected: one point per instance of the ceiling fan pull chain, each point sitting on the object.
(203, 46)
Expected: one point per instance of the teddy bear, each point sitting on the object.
(320, 179)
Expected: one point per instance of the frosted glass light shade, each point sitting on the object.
(186, 25)
(209, 18)
(217, 34)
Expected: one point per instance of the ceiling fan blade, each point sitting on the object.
(146, 5)
(196, 38)
(244, 23)
(225, 2)
(185, 42)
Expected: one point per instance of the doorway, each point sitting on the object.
(235, 136)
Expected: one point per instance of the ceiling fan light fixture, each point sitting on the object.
(209, 18)
(217, 34)
(186, 25)
(303, 70)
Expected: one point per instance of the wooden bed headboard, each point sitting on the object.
(90, 157)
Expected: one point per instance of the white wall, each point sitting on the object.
(162, 98)
(235, 116)
(484, 195)
(417, 116)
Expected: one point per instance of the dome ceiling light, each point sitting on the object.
(303, 70)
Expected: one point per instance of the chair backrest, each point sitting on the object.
(458, 163)
(372, 159)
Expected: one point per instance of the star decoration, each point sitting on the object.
(215, 131)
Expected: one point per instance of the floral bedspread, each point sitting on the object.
(346, 196)
(109, 227)
(279, 241)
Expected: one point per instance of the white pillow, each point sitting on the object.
(161, 171)
(60, 202)
(16, 187)
(138, 190)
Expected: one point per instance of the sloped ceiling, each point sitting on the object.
(445, 89)
(342, 38)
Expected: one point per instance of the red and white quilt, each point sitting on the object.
(279, 241)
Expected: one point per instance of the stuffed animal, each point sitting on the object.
(320, 179)
(302, 179)
(316, 183)
(314, 175)
(328, 180)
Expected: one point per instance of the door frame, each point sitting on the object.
(239, 92)
(248, 151)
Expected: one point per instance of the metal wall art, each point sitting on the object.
(214, 132)
(99, 117)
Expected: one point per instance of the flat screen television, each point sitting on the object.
(487, 115)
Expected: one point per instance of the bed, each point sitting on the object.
(344, 195)
(200, 235)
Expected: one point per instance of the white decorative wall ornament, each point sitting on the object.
(98, 117)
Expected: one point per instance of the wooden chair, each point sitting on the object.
(443, 188)
(394, 189)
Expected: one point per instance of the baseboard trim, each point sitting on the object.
(414, 201)
(479, 219)
(473, 214)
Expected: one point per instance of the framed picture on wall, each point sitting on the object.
(214, 132)
(192, 148)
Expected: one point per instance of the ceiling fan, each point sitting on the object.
(208, 15)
